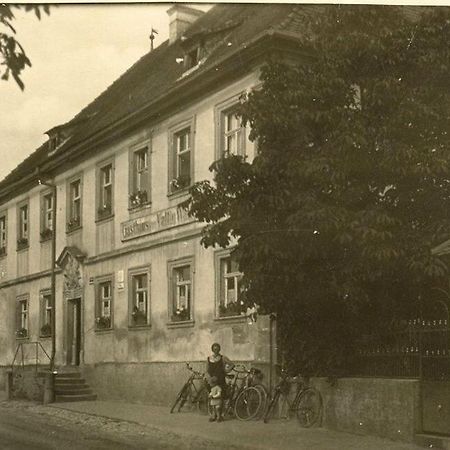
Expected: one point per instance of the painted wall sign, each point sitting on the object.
(152, 223)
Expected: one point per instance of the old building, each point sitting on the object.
(136, 293)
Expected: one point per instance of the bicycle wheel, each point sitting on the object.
(181, 399)
(271, 406)
(309, 407)
(202, 401)
(264, 397)
(248, 403)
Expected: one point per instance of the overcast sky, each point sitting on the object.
(76, 53)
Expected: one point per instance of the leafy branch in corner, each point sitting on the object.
(13, 59)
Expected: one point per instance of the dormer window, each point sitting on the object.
(53, 142)
(192, 58)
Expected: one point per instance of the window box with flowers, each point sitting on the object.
(103, 322)
(104, 211)
(181, 315)
(46, 234)
(232, 309)
(22, 333)
(138, 199)
(22, 243)
(180, 183)
(73, 223)
(139, 317)
(46, 330)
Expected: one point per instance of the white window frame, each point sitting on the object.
(48, 203)
(46, 310)
(136, 293)
(102, 283)
(74, 203)
(141, 170)
(140, 177)
(105, 286)
(106, 185)
(222, 113)
(222, 278)
(22, 305)
(177, 152)
(175, 287)
(23, 221)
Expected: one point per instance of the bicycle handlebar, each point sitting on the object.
(195, 372)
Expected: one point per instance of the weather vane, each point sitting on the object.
(152, 37)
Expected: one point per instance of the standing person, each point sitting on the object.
(217, 365)
(215, 401)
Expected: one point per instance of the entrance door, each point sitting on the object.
(73, 332)
(435, 369)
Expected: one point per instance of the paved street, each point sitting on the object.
(115, 425)
(22, 430)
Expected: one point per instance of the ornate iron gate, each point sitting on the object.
(434, 369)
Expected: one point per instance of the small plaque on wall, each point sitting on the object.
(120, 279)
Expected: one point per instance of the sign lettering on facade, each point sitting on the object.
(152, 223)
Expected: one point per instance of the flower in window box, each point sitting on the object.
(252, 313)
(236, 308)
(181, 315)
(46, 330)
(2, 251)
(103, 322)
(46, 233)
(22, 333)
(139, 317)
(180, 182)
(74, 222)
(22, 243)
(138, 198)
(104, 210)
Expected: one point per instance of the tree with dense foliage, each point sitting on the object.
(335, 219)
(13, 58)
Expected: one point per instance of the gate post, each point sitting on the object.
(49, 388)
(9, 385)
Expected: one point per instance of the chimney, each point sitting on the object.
(181, 17)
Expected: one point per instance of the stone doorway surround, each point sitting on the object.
(70, 261)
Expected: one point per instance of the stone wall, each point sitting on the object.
(373, 406)
(153, 383)
(28, 384)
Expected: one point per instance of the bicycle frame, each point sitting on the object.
(190, 391)
(235, 389)
(279, 391)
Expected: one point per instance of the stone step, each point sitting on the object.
(75, 397)
(72, 381)
(74, 391)
(68, 375)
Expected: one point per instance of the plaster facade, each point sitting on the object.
(126, 360)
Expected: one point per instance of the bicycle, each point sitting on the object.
(246, 399)
(192, 394)
(307, 403)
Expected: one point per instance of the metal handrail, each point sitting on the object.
(20, 345)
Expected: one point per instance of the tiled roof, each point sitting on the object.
(157, 72)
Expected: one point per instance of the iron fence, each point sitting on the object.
(409, 349)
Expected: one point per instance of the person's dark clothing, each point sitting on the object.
(217, 369)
